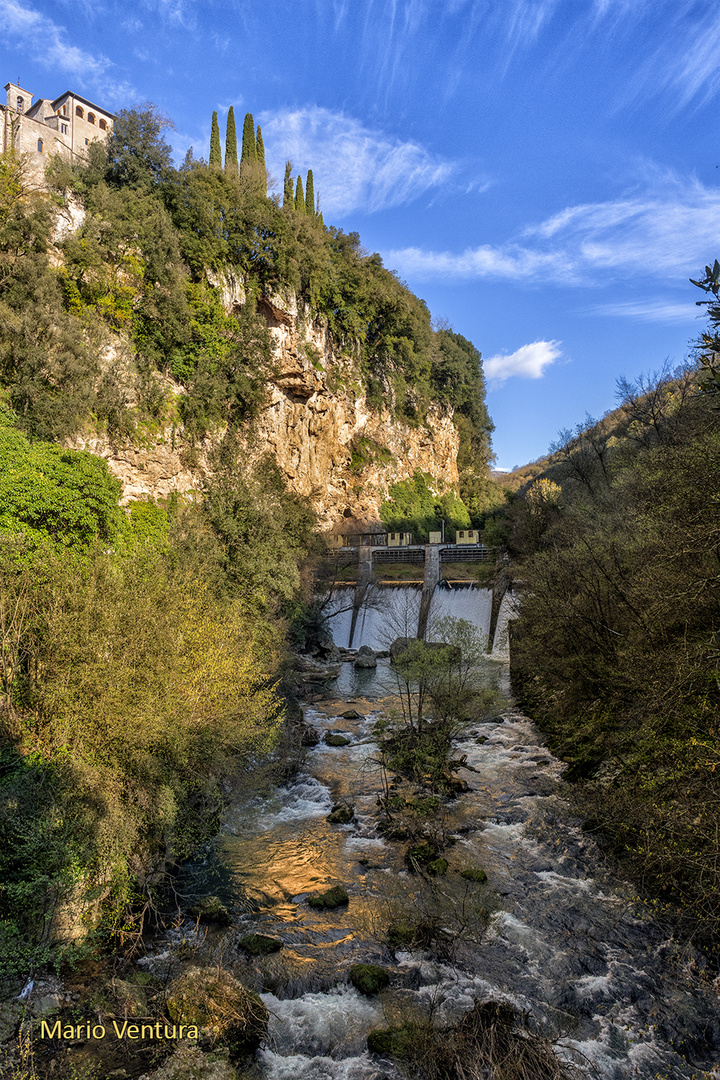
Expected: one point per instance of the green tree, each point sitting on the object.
(231, 158)
(288, 197)
(299, 197)
(137, 152)
(215, 151)
(248, 155)
(310, 195)
(262, 174)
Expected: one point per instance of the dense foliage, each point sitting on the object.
(617, 649)
(139, 654)
(133, 300)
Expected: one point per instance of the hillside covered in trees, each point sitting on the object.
(615, 549)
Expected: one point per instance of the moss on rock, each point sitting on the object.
(368, 978)
(220, 1006)
(331, 898)
(260, 944)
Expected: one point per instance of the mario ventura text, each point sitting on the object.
(126, 1030)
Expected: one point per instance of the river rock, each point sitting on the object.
(260, 944)
(220, 1005)
(365, 657)
(331, 738)
(211, 909)
(331, 898)
(368, 979)
(341, 814)
(350, 714)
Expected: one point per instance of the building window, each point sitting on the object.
(40, 146)
(63, 129)
(102, 125)
(91, 118)
(79, 112)
(20, 104)
(87, 142)
(65, 110)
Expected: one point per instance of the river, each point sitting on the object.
(554, 931)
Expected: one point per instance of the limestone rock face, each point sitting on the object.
(316, 411)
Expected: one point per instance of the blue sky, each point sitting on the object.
(544, 173)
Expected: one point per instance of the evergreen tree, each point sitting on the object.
(248, 154)
(310, 195)
(299, 197)
(231, 159)
(288, 199)
(215, 151)
(260, 147)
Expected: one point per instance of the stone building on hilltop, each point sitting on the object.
(66, 125)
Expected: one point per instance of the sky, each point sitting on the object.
(543, 173)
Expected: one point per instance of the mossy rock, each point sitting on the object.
(474, 873)
(341, 814)
(188, 1062)
(220, 1006)
(481, 739)
(260, 944)
(438, 867)
(211, 909)
(420, 855)
(399, 1042)
(331, 738)
(331, 898)
(368, 978)
(350, 714)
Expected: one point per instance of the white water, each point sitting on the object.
(566, 941)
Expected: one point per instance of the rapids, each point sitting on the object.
(553, 932)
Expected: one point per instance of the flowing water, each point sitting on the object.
(553, 932)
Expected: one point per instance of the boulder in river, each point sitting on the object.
(341, 814)
(331, 898)
(332, 738)
(368, 978)
(212, 910)
(260, 944)
(210, 999)
(365, 657)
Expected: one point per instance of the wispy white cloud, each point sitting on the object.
(527, 362)
(354, 168)
(47, 42)
(650, 311)
(662, 232)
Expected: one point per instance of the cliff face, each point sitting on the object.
(316, 413)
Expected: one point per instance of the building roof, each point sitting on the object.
(79, 97)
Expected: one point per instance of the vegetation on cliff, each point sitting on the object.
(91, 334)
(616, 652)
(139, 656)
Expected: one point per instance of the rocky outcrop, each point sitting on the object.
(316, 412)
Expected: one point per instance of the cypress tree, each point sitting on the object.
(215, 152)
(260, 151)
(299, 197)
(231, 160)
(310, 195)
(248, 155)
(288, 185)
